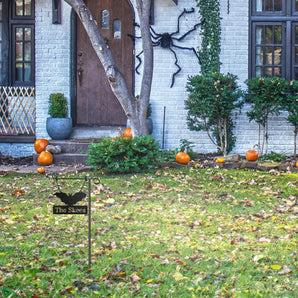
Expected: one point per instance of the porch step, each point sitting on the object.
(74, 150)
(96, 132)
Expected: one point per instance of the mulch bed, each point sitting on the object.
(19, 161)
(201, 161)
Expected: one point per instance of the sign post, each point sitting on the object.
(70, 208)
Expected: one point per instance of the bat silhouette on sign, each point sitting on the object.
(70, 199)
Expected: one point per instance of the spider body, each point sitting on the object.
(168, 41)
(165, 41)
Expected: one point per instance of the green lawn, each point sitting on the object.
(169, 233)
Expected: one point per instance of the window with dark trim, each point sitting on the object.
(17, 42)
(274, 38)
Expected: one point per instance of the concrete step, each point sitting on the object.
(96, 132)
(74, 150)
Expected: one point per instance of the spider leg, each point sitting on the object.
(191, 30)
(178, 25)
(133, 37)
(140, 62)
(191, 49)
(176, 63)
(153, 34)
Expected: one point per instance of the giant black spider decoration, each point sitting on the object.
(166, 41)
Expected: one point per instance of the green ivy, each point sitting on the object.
(210, 32)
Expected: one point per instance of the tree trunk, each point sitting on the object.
(135, 110)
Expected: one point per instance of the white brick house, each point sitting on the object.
(53, 46)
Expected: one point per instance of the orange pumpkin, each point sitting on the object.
(127, 133)
(183, 158)
(40, 145)
(41, 170)
(220, 160)
(45, 158)
(297, 164)
(252, 155)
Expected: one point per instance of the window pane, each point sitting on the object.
(296, 6)
(268, 71)
(296, 34)
(268, 55)
(28, 8)
(268, 34)
(19, 72)
(259, 34)
(117, 29)
(259, 72)
(27, 51)
(19, 7)
(28, 34)
(277, 35)
(277, 5)
(277, 55)
(277, 71)
(0, 31)
(27, 72)
(296, 55)
(19, 34)
(259, 56)
(105, 19)
(19, 51)
(268, 5)
(259, 5)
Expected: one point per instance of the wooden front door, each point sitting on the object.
(96, 104)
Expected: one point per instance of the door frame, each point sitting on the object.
(73, 62)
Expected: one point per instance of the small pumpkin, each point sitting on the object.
(220, 160)
(252, 155)
(127, 133)
(297, 164)
(45, 158)
(41, 170)
(182, 157)
(40, 145)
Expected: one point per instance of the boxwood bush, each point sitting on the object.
(120, 155)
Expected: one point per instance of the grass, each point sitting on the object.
(172, 233)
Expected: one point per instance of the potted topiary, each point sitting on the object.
(59, 126)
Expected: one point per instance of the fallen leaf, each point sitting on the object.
(275, 267)
(134, 277)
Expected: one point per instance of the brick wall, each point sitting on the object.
(52, 48)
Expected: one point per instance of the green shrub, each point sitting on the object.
(266, 96)
(57, 105)
(273, 156)
(291, 106)
(211, 100)
(124, 155)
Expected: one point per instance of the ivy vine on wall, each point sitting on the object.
(210, 32)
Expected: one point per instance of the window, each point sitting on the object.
(274, 38)
(117, 29)
(105, 19)
(17, 43)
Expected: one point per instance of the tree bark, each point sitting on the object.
(135, 110)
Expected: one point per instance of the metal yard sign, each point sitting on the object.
(69, 206)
